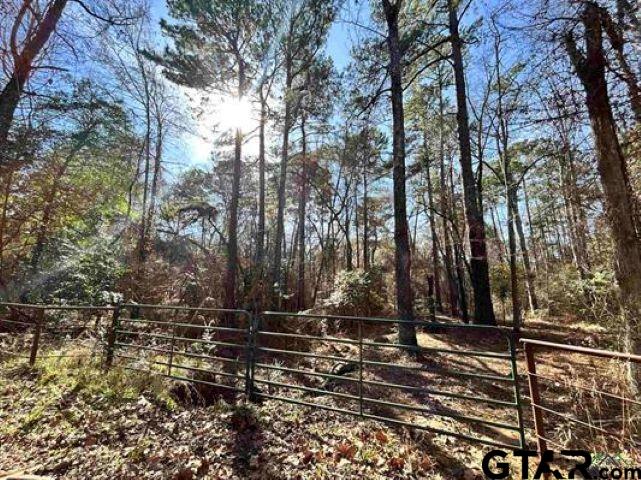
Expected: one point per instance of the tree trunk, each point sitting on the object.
(479, 268)
(48, 209)
(276, 287)
(155, 179)
(47, 213)
(406, 331)
(22, 67)
(459, 252)
(620, 203)
(498, 235)
(365, 218)
(525, 253)
(356, 229)
(514, 279)
(260, 240)
(349, 250)
(302, 204)
(231, 270)
(9, 99)
(446, 216)
(617, 40)
(435, 244)
(3, 223)
(533, 240)
(503, 149)
(141, 247)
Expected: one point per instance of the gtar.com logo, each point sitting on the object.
(606, 468)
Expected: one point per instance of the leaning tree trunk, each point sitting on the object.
(406, 331)
(627, 73)
(619, 198)
(479, 268)
(22, 67)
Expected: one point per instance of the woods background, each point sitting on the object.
(478, 159)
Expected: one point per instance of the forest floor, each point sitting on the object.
(66, 418)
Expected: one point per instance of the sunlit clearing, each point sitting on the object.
(234, 113)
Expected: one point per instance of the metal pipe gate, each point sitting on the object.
(326, 362)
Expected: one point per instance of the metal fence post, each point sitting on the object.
(171, 351)
(360, 367)
(517, 392)
(535, 398)
(111, 338)
(40, 315)
(250, 357)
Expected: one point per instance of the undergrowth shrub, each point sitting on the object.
(68, 374)
(593, 299)
(358, 293)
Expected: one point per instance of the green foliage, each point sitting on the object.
(86, 275)
(60, 378)
(500, 280)
(358, 293)
(594, 298)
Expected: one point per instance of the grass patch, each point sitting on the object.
(66, 377)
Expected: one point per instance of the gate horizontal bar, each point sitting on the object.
(178, 352)
(307, 354)
(305, 372)
(186, 379)
(183, 367)
(182, 339)
(428, 391)
(35, 306)
(440, 393)
(319, 391)
(181, 324)
(17, 322)
(306, 404)
(416, 323)
(15, 354)
(470, 353)
(464, 353)
(190, 309)
(588, 351)
(453, 373)
(307, 337)
(587, 389)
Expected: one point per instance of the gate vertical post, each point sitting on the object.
(360, 367)
(111, 339)
(170, 363)
(252, 331)
(40, 315)
(535, 396)
(517, 393)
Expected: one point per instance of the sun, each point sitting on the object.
(233, 113)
